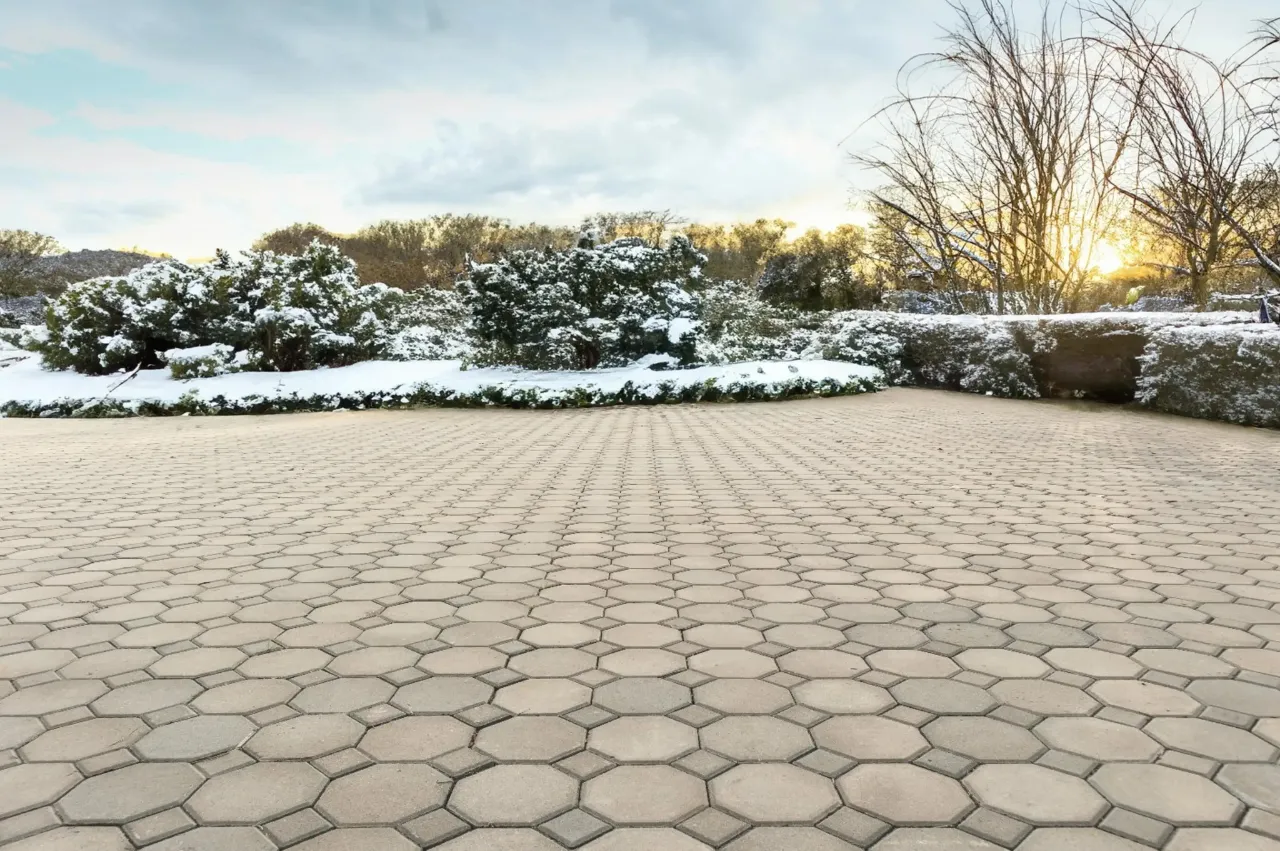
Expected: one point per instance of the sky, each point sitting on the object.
(188, 125)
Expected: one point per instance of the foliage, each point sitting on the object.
(820, 271)
(738, 252)
(277, 312)
(20, 251)
(414, 253)
(594, 305)
(201, 361)
(431, 325)
(1214, 372)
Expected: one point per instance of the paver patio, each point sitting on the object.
(913, 620)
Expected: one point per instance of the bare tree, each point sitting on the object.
(20, 250)
(1003, 171)
(1198, 137)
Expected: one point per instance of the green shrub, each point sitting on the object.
(276, 312)
(591, 306)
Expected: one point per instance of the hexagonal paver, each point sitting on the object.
(74, 742)
(732, 663)
(198, 662)
(244, 697)
(774, 794)
(1077, 839)
(304, 737)
(934, 839)
(870, 738)
(775, 838)
(843, 697)
(1144, 697)
(25, 787)
(996, 662)
(1043, 697)
(358, 839)
(195, 738)
(411, 739)
(1091, 662)
(257, 793)
(643, 738)
(822, 663)
(542, 697)
(984, 739)
(1211, 740)
(51, 697)
(636, 839)
(130, 793)
(78, 839)
(756, 738)
(642, 696)
(1173, 796)
(345, 694)
(383, 794)
(644, 794)
(904, 794)
(501, 839)
(285, 663)
(943, 697)
(740, 696)
(1215, 838)
(1098, 739)
(1256, 785)
(531, 738)
(442, 694)
(513, 795)
(1236, 695)
(1035, 794)
(912, 663)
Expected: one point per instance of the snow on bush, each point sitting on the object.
(1227, 373)
(203, 361)
(28, 391)
(432, 325)
(277, 312)
(590, 306)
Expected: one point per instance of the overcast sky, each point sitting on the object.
(188, 125)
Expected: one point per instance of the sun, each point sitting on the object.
(1107, 258)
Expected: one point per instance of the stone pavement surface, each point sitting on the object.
(913, 620)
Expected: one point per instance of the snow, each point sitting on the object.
(27, 382)
(213, 350)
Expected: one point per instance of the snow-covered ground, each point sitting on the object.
(24, 381)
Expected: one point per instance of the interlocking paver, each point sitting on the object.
(1035, 794)
(513, 795)
(773, 794)
(644, 794)
(820, 634)
(383, 794)
(643, 738)
(1175, 797)
(129, 793)
(256, 793)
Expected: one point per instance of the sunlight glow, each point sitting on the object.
(1107, 258)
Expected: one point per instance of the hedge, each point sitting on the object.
(1229, 373)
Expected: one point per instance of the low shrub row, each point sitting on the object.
(674, 390)
(1229, 373)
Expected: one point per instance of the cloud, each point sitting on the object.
(187, 124)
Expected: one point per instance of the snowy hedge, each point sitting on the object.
(273, 312)
(28, 391)
(1229, 373)
(591, 306)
